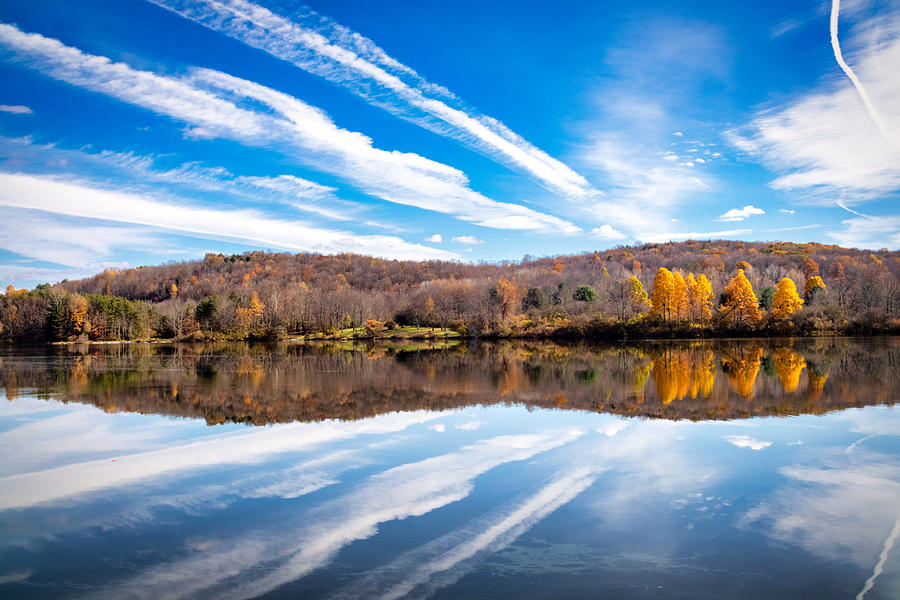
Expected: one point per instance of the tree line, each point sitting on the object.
(686, 288)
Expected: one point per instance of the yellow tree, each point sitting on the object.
(700, 297)
(663, 294)
(741, 306)
(679, 296)
(78, 307)
(173, 290)
(786, 301)
(256, 307)
(638, 293)
(788, 365)
(811, 284)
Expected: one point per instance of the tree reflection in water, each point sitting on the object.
(259, 384)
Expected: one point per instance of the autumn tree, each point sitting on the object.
(741, 306)
(700, 297)
(662, 298)
(786, 300)
(814, 287)
(810, 267)
(680, 295)
(508, 298)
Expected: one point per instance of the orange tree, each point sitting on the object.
(741, 306)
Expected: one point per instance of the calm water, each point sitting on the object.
(751, 469)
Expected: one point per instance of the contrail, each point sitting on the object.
(882, 558)
(850, 210)
(839, 57)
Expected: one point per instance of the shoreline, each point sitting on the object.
(725, 336)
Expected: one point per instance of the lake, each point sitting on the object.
(725, 468)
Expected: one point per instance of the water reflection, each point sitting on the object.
(493, 494)
(294, 382)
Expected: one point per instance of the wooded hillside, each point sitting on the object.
(795, 288)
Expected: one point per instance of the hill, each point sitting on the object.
(610, 293)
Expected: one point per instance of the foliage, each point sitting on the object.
(786, 300)
(811, 284)
(663, 302)
(259, 294)
(585, 293)
(741, 306)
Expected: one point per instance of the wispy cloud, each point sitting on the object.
(206, 101)
(797, 228)
(243, 447)
(17, 109)
(869, 232)
(435, 238)
(141, 174)
(645, 191)
(739, 214)
(308, 543)
(825, 143)
(863, 94)
(79, 200)
(319, 46)
(442, 562)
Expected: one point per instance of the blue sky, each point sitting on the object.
(136, 132)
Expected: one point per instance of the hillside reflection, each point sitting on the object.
(258, 384)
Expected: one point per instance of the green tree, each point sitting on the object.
(585, 293)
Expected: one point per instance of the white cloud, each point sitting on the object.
(471, 425)
(839, 57)
(869, 232)
(435, 238)
(614, 428)
(443, 561)
(440, 427)
(296, 128)
(304, 545)
(78, 200)
(787, 211)
(607, 232)
(745, 441)
(678, 133)
(15, 109)
(670, 156)
(739, 214)
(824, 142)
(644, 192)
(323, 48)
(470, 240)
(142, 173)
(798, 227)
(243, 447)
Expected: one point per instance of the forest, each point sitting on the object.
(676, 289)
